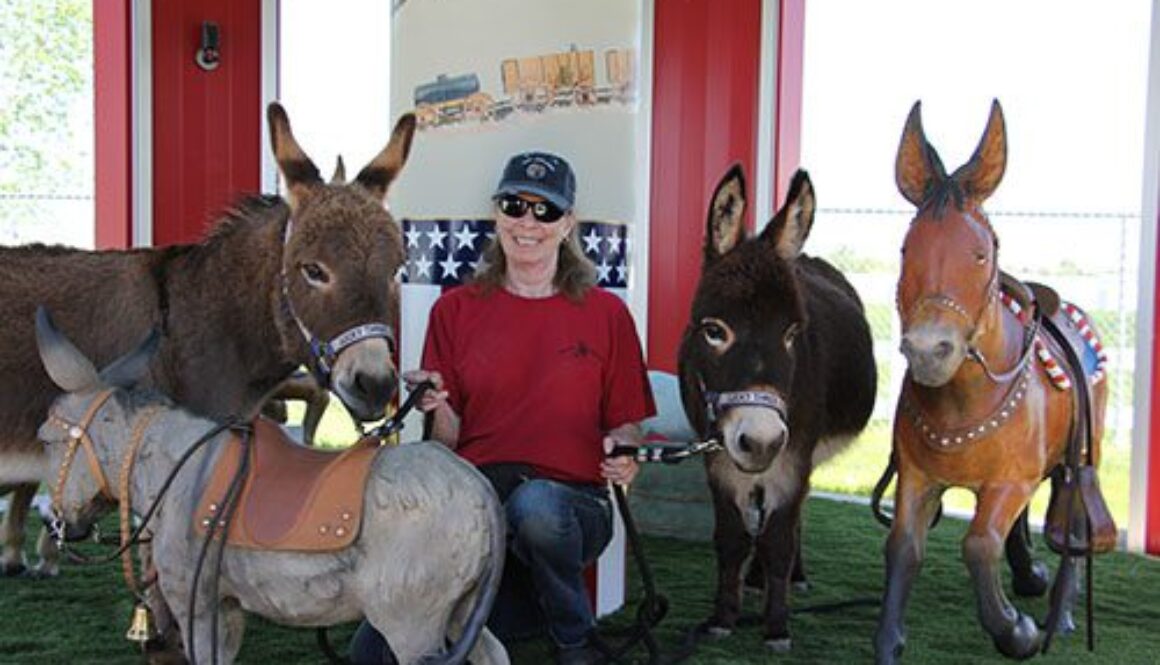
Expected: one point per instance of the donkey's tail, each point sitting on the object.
(880, 489)
(476, 621)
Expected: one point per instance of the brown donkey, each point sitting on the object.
(776, 363)
(979, 407)
(277, 284)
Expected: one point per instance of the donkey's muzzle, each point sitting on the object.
(369, 393)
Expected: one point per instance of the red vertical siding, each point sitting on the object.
(112, 104)
(788, 129)
(206, 125)
(706, 64)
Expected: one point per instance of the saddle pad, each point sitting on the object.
(1087, 345)
(294, 498)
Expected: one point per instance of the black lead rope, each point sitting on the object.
(389, 427)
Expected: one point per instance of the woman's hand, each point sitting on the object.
(434, 397)
(623, 469)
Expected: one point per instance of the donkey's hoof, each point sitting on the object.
(1021, 641)
(1034, 584)
(802, 586)
(1066, 623)
(715, 631)
(12, 569)
(39, 573)
(778, 644)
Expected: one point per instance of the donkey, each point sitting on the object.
(424, 567)
(776, 363)
(275, 285)
(976, 409)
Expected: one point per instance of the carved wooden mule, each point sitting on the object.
(411, 536)
(275, 285)
(978, 409)
(776, 362)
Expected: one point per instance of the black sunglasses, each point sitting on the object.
(515, 207)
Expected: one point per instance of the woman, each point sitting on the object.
(537, 374)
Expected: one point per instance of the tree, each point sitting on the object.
(45, 113)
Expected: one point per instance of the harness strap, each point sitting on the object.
(78, 437)
(125, 504)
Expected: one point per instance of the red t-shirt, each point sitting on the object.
(538, 381)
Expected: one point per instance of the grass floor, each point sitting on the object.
(81, 616)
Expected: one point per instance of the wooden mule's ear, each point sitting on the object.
(377, 176)
(981, 175)
(918, 168)
(68, 368)
(128, 370)
(297, 169)
(790, 227)
(339, 176)
(725, 223)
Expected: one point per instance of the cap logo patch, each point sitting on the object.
(536, 171)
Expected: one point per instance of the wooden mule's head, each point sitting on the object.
(90, 424)
(737, 358)
(342, 253)
(950, 273)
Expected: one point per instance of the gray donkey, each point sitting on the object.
(424, 568)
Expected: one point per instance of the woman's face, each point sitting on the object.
(528, 242)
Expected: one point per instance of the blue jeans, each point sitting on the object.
(555, 530)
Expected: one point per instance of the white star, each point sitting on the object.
(413, 235)
(437, 235)
(621, 272)
(602, 271)
(474, 265)
(592, 242)
(613, 243)
(450, 268)
(465, 237)
(423, 265)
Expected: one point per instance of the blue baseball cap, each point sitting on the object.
(542, 174)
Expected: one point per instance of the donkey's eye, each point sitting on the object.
(980, 257)
(791, 333)
(716, 333)
(315, 274)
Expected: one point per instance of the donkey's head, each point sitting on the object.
(737, 357)
(950, 272)
(342, 254)
(89, 424)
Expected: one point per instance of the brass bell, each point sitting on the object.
(142, 628)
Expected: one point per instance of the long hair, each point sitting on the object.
(575, 274)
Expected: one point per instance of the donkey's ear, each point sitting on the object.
(984, 170)
(297, 169)
(725, 226)
(917, 169)
(790, 227)
(68, 368)
(384, 168)
(129, 369)
(339, 176)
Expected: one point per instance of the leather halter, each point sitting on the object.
(325, 353)
(716, 403)
(78, 437)
(1018, 376)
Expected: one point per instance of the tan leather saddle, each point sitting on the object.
(294, 498)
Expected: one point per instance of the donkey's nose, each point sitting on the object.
(375, 388)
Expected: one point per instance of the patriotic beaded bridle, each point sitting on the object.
(324, 353)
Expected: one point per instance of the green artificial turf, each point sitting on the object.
(81, 616)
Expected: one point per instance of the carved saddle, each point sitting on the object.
(293, 498)
(1078, 521)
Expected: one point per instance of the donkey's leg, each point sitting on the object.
(1014, 633)
(733, 544)
(12, 559)
(916, 500)
(1029, 578)
(755, 575)
(776, 548)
